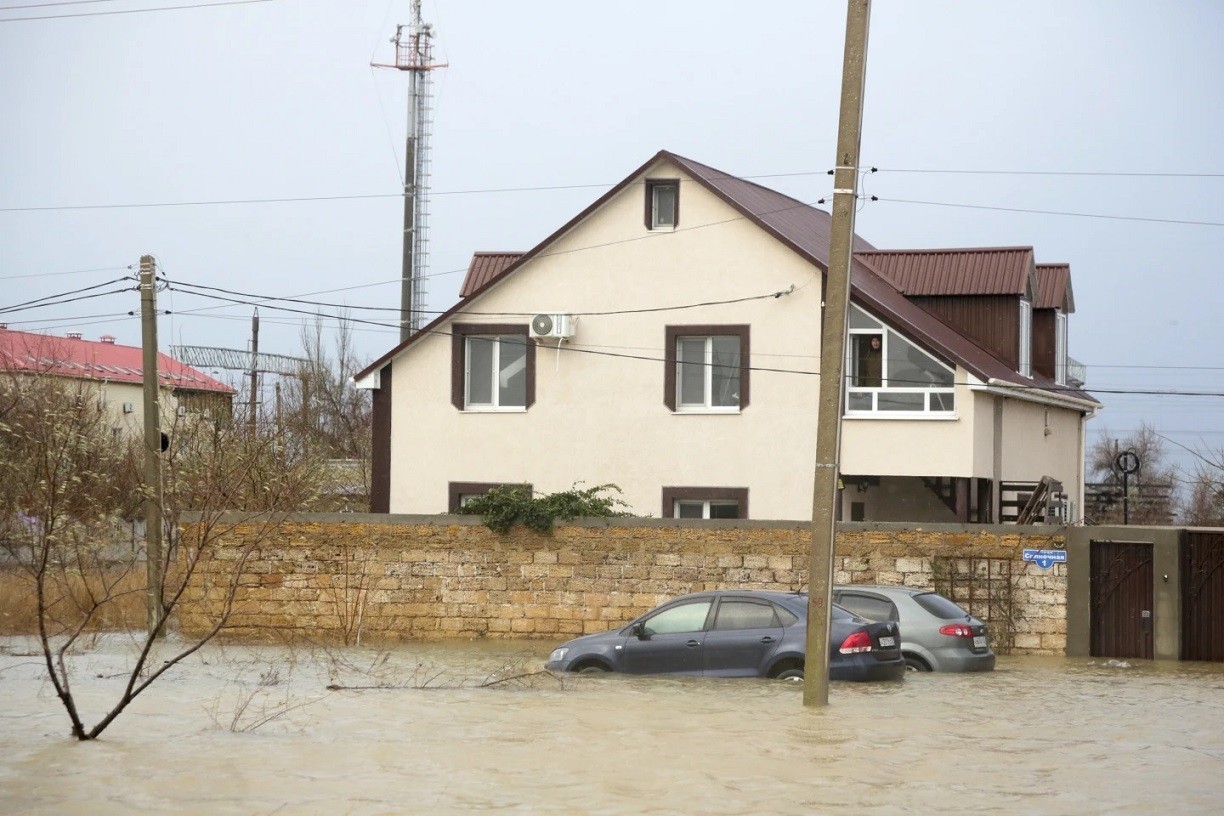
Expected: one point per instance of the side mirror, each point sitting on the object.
(639, 629)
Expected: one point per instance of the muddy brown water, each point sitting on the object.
(254, 730)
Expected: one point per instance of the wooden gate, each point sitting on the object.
(1121, 599)
(1202, 581)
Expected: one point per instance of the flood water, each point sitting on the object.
(255, 730)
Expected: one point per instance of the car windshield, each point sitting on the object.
(939, 606)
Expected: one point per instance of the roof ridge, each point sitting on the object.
(722, 174)
(1017, 248)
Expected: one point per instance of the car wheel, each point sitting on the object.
(593, 668)
(790, 674)
(916, 664)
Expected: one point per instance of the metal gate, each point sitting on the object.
(1121, 599)
(1202, 581)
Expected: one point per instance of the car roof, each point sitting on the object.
(887, 590)
(768, 594)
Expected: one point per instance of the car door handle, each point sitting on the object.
(692, 644)
(767, 639)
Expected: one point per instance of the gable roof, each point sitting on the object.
(486, 266)
(1054, 288)
(98, 360)
(970, 271)
(806, 230)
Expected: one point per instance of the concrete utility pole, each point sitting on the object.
(254, 372)
(154, 557)
(832, 354)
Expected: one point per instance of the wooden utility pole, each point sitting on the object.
(832, 353)
(152, 442)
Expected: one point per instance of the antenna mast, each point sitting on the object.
(414, 54)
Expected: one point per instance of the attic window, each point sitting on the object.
(662, 204)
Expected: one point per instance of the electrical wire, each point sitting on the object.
(127, 11)
(1052, 212)
(573, 348)
(397, 310)
(38, 302)
(73, 272)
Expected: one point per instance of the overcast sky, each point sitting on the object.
(277, 99)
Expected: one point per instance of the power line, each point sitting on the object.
(1052, 212)
(1086, 173)
(265, 299)
(39, 302)
(124, 11)
(73, 272)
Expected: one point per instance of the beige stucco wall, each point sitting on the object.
(1041, 441)
(581, 427)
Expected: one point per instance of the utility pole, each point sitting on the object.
(832, 354)
(254, 372)
(154, 557)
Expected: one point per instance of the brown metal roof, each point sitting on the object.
(485, 266)
(1054, 288)
(970, 271)
(805, 230)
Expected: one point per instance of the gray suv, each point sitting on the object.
(936, 634)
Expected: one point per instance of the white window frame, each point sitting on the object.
(1026, 339)
(706, 504)
(932, 395)
(707, 363)
(1060, 348)
(494, 373)
(674, 187)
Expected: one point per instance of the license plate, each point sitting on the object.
(888, 641)
(979, 642)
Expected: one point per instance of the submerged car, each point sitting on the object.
(936, 634)
(736, 633)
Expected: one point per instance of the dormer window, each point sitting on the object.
(1025, 366)
(662, 204)
(1060, 348)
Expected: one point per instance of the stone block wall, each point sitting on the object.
(377, 577)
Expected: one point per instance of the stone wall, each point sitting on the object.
(433, 577)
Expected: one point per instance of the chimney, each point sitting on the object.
(109, 339)
(74, 335)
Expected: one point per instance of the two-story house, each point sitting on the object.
(667, 340)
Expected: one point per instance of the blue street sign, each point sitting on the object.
(1046, 558)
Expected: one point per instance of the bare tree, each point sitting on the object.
(1152, 490)
(64, 474)
(326, 415)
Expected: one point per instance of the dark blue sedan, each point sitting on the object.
(736, 633)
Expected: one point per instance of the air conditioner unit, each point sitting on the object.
(552, 326)
(182, 410)
(128, 407)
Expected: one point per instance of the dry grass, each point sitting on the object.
(68, 597)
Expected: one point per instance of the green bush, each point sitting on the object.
(507, 505)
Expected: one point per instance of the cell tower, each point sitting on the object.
(414, 54)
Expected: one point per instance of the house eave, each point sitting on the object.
(1035, 394)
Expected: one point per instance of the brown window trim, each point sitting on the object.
(661, 182)
(671, 494)
(459, 335)
(455, 490)
(673, 333)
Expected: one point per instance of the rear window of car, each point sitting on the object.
(870, 607)
(939, 606)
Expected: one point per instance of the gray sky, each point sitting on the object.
(277, 100)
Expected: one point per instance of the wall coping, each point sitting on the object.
(399, 519)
